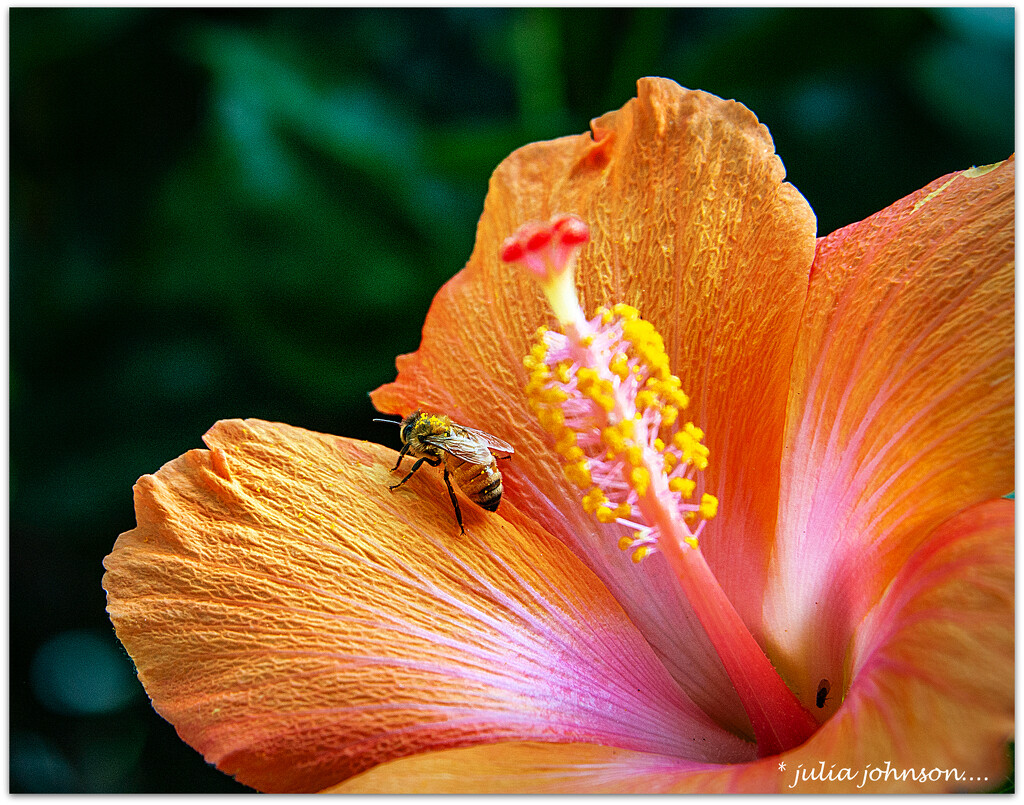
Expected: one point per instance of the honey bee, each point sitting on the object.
(464, 452)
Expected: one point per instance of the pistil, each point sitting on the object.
(603, 389)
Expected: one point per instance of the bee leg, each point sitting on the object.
(455, 502)
(433, 462)
(401, 455)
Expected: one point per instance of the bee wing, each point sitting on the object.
(462, 443)
(493, 442)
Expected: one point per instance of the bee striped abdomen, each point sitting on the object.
(480, 482)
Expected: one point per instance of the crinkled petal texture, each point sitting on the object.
(930, 707)
(901, 411)
(298, 623)
(692, 223)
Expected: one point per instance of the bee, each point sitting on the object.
(464, 452)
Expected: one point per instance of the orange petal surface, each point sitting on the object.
(692, 223)
(902, 406)
(299, 623)
(930, 707)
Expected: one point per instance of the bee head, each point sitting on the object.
(408, 424)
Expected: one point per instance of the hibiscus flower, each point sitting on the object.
(793, 572)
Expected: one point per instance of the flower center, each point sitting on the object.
(603, 389)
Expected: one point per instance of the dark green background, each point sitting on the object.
(234, 213)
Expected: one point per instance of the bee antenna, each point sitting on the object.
(390, 421)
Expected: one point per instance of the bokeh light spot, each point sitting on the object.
(78, 672)
(37, 766)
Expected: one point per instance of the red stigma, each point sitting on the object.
(561, 231)
(570, 230)
(538, 239)
(512, 250)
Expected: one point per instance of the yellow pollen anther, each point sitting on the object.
(669, 414)
(565, 441)
(574, 454)
(683, 486)
(708, 506)
(551, 419)
(619, 365)
(635, 455)
(691, 541)
(692, 450)
(594, 498)
(612, 438)
(605, 515)
(678, 398)
(578, 473)
(625, 543)
(552, 396)
(641, 553)
(684, 441)
(586, 377)
(540, 375)
(640, 480)
(659, 445)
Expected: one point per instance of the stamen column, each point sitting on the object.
(603, 389)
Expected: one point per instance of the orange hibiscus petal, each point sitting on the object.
(692, 223)
(930, 707)
(522, 768)
(902, 405)
(299, 623)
